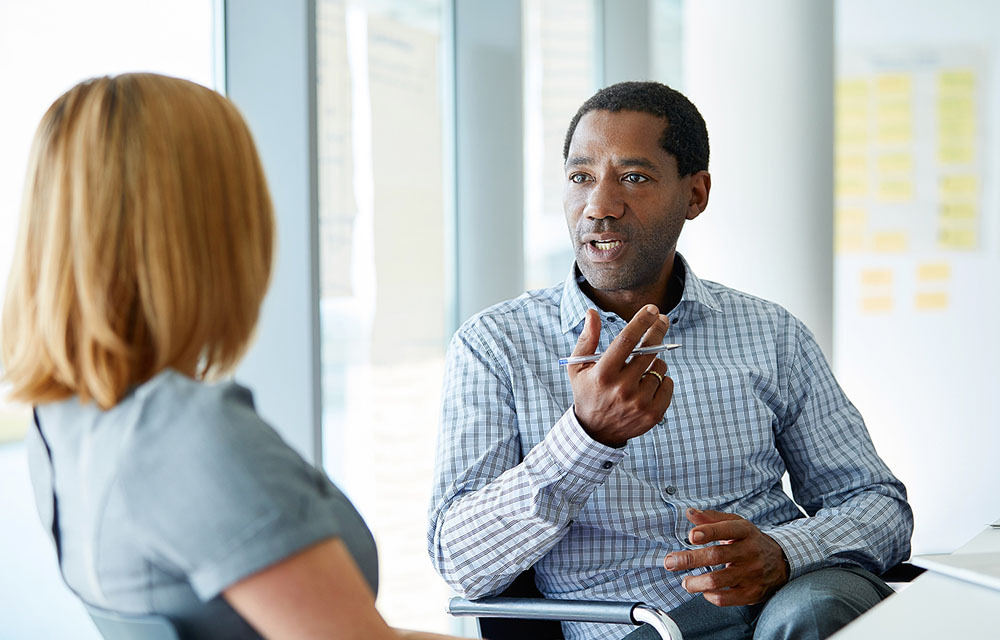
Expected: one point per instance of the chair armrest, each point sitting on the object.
(634, 613)
(902, 572)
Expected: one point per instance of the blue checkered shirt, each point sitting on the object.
(519, 483)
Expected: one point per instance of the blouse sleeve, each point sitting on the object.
(213, 491)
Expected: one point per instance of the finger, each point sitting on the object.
(705, 516)
(623, 344)
(695, 558)
(728, 597)
(649, 382)
(713, 580)
(658, 366)
(655, 333)
(740, 594)
(587, 343)
(653, 336)
(725, 530)
(590, 336)
(664, 394)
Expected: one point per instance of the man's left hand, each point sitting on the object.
(755, 565)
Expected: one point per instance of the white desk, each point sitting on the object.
(936, 606)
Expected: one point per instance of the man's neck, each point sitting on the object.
(665, 294)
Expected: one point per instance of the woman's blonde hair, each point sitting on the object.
(145, 241)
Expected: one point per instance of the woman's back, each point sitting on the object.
(177, 492)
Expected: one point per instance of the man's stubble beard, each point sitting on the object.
(650, 248)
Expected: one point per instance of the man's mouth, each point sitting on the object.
(604, 250)
(606, 245)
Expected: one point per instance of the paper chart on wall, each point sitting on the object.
(910, 157)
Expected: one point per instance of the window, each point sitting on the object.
(383, 279)
(559, 75)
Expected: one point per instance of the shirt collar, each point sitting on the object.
(574, 303)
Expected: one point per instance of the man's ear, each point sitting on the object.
(701, 184)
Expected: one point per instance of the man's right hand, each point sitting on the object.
(616, 400)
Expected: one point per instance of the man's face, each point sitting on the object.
(625, 204)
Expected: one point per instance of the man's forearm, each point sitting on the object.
(871, 529)
(482, 539)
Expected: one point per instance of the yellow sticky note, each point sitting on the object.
(876, 304)
(889, 242)
(959, 184)
(852, 89)
(850, 216)
(895, 132)
(895, 190)
(957, 81)
(956, 106)
(952, 211)
(851, 137)
(957, 239)
(851, 186)
(931, 301)
(895, 162)
(893, 110)
(853, 120)
(933, 271)
(953, 152)
(893, 84)
(961, 128)
(876, 277)
(849, 242)
(848, 162)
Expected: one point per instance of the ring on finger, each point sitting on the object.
(658, 375)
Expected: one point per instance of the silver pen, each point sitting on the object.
(641, 351)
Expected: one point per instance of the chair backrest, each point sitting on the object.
(120, 626)
(517, 629)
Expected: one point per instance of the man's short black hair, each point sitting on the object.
(684, 137)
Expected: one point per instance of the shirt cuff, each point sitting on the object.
(801, 550)
(579, 454)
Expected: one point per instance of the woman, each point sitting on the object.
(143, 255)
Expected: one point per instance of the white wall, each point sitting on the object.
(926, 380)
(761, 73)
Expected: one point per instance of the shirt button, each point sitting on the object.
(670, 489)
(607, 464)
(676, 320)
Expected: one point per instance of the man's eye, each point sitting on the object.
(578, 178)
(635, 178)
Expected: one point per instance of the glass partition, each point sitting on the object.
(383, 279)
(559, 74)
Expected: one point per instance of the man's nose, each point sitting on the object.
(605, 200)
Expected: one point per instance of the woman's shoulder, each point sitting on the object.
(173, 415)
(207, 443)
(210, 485)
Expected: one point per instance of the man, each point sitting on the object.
(617, 482)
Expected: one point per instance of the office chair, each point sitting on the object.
(120, 626)
(521, 611)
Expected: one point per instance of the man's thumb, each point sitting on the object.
(590, 337)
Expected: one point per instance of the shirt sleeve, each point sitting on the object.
(858, 509)
(492, 514)
(214, 492)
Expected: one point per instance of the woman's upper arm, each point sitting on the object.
(316, 593)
